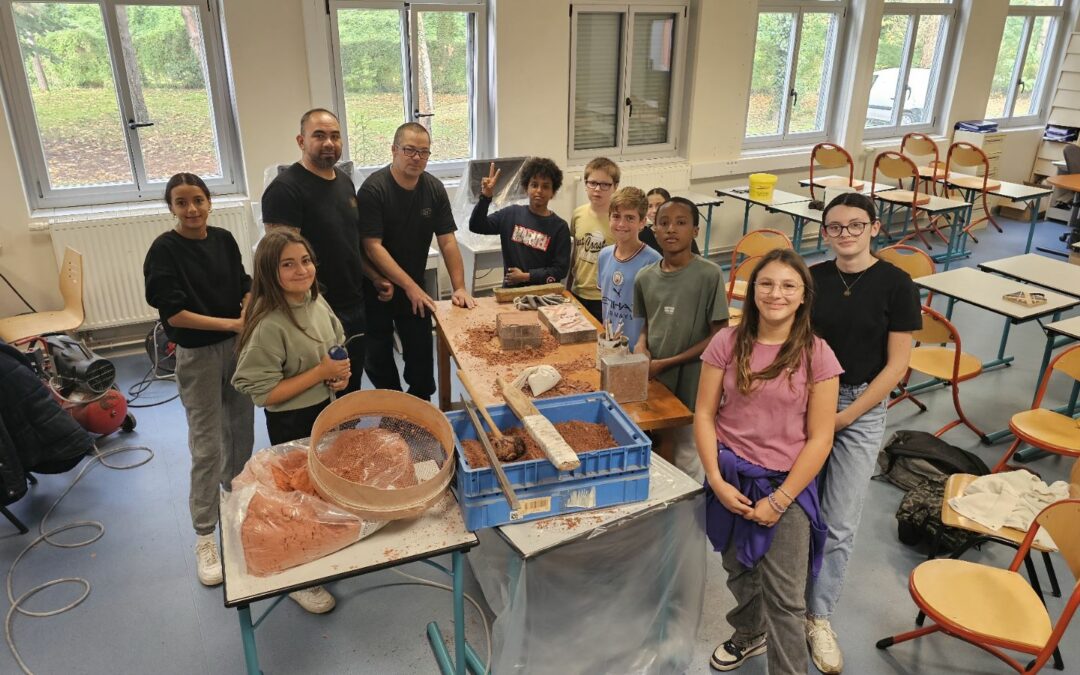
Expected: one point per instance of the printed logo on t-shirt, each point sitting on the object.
(617, 278)
(669, 310)
(530, 238)
(425, 212)
(589, 246)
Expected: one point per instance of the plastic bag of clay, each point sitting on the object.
(278, 519)
(377, 457)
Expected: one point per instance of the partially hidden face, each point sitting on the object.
(674, 228)
(296, 270)
(625, 223)
(191, 206)
(778, 292)
(655, 200)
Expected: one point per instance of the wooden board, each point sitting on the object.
(576, 363)
(508, 294)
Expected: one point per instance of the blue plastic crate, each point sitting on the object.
(555, 499)
(632, 453)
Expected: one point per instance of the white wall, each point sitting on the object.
(270, 52)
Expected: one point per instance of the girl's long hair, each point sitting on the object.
(797, 349)
(266, 292)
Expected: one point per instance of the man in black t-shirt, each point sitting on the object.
(401, 207)
(317, 199)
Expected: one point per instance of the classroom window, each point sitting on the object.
(1025, 61)
(410, 62)
(626, 72)
(908, 68)
(109, 99)
(795, 60)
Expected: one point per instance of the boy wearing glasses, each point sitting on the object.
(591, 232)
(682, 301)
(535, 242)
(401, 207)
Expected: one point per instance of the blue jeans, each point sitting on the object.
(843, 484)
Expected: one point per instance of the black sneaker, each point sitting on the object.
(730, 656)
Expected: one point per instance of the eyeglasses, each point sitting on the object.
(787, 289)
(410, 151)
(854, 229)
(595, 185)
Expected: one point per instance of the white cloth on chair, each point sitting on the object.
(1010, 499)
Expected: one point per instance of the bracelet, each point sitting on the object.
(790, 498)
(775, 504)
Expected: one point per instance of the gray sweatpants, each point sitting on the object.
(221, 425)
(770, 597)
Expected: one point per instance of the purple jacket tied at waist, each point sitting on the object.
(753, 540)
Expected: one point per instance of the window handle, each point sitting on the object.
(417, 113)
(630, 104)
(794, 96)
(1022, 85)
(132, 124)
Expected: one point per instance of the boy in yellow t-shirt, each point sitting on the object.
(591, 232)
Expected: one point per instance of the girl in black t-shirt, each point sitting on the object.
(865, 309)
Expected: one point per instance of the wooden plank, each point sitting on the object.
(1065, 116)
(1070, 81)
(1051, 150)
(1067, 99)
(1074, 44)
(508, 294)
(1071, 64)
(558, 451)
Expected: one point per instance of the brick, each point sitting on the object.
(567, 324)
(517, 330)
(625, 376)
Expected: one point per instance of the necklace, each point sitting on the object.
(847, 286)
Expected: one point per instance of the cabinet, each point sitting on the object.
(1065, 111)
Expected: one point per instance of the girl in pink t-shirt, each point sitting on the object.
(763, 426)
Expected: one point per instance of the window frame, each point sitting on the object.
(800, 7)
(31, 154)
(1052, 56)
(479, 92)
(621, 150)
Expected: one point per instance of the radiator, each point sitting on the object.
(114, 245)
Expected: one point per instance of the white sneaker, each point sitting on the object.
(207, 560)
(824, 648)
(316, 600)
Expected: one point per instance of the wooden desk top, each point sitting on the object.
(1067, 327)
(666, 485)
(1057, 275)
(1068, 181)
(576, 363)
(742, 193)
(438, 530)
(985, 290)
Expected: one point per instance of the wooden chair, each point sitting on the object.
(832, 156)
(947, 363)
(1043, 428)
(902, 171)
(753, 244)
(996, 609)
(965, 155)
(915, 145)
(59, 321)
(915, 261)
(740, 276)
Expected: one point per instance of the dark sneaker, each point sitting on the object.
(730, 656)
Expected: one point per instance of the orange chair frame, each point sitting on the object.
(830, 156)
(968, 155)
(899, 167)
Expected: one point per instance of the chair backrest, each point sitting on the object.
(895, 166)
(741, 272)
(758, 242)
(1062, 520)
(1067, 362)
(915, 261)
(71, 281)
(918, 145)
(1072, 158)
(936, 329)
(1074, 479)
(830, 156)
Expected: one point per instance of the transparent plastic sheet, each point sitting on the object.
(508, 191)
(627, 598)
(279, 520)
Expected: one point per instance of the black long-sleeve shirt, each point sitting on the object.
(204, 276)
(539, 245)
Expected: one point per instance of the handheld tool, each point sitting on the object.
(496, 466)
(506, 448)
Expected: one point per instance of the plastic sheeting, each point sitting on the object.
(507, 191)
(626, 598)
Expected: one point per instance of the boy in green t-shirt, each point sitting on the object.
(591, 232)
(682, 301)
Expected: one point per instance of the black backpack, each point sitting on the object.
(912, 457)
(920, 463)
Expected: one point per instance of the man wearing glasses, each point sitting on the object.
(401, 207)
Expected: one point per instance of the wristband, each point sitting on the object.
(775, 504)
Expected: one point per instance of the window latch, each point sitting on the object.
(132, 124)
(794, 97)
(630, 104)
(418, 114)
